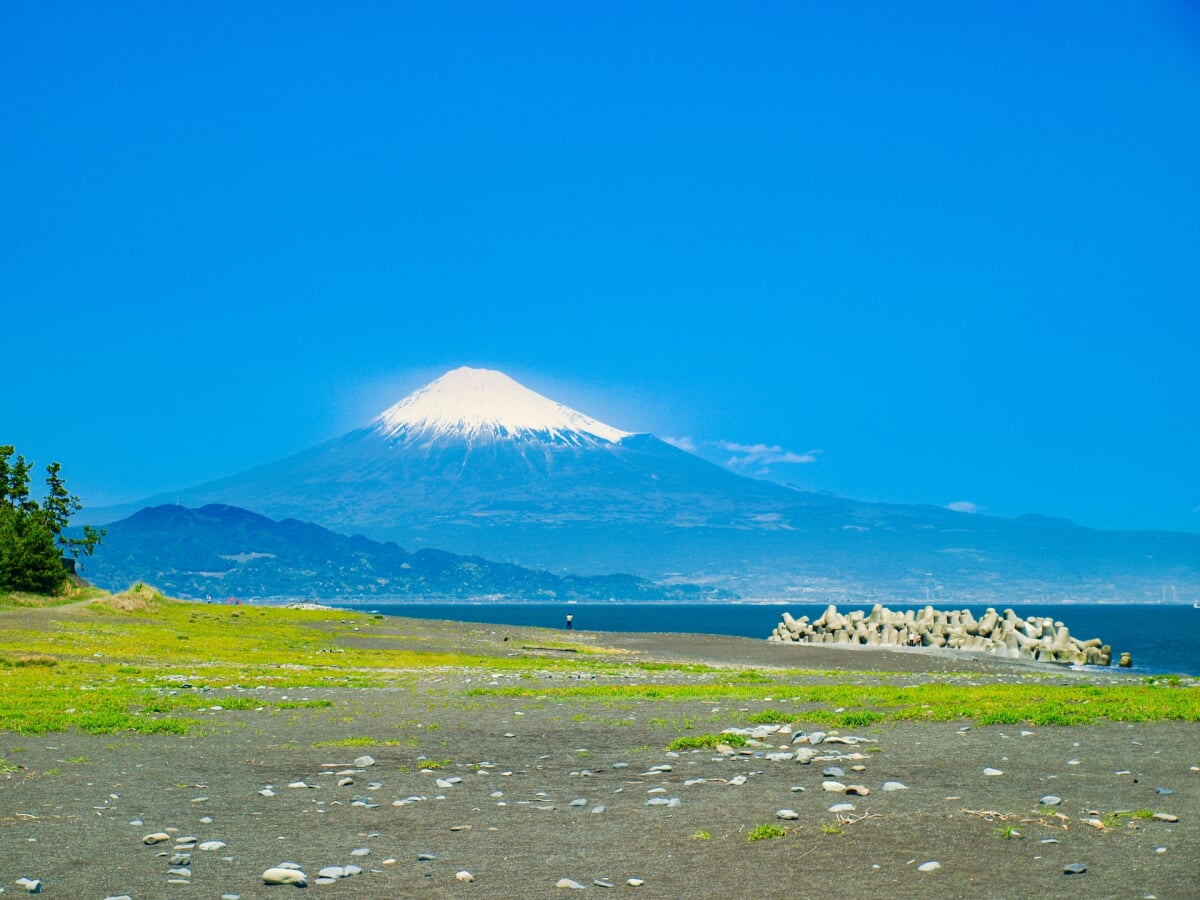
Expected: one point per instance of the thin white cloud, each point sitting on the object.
(684, 443)
(745, 456)
(963, 506)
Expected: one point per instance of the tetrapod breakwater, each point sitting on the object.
(997, 633)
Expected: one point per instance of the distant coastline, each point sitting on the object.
(1161, 639)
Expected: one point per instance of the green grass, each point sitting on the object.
(116, 663)
(699, 741)
(70, 594)
(349, 742)
(771, 717)
(765, 833)
(1035, 703)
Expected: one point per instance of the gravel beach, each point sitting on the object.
(442, 787)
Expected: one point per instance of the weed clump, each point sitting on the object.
(765, 833)
(711, 741)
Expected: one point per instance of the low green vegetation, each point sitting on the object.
(862, 705)
(1126, 816)
(140, 662)
(348, 742)
(765, 833)
(699, 741)
(771, 717)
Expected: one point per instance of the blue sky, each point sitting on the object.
(943, 254)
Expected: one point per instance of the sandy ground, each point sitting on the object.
(76, 812)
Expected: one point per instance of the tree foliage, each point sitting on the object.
(32, 539)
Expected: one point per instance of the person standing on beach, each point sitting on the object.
(570, 621)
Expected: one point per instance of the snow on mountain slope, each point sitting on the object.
(482, 404)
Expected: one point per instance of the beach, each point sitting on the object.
(453, 781)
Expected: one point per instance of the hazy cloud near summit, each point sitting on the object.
(745, 459)
(685, 443)
(963, 506)
(745, 456)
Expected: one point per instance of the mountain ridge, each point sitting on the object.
(225, 550)
(463, 468)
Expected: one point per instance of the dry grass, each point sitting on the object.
(138, 598)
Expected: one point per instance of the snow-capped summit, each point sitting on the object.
(483, 404)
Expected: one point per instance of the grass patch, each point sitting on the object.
(765, 833)
(71, 594)
(348, 742)
(771, 717)
(700, 741)
(1035, 703)
(113, 663)
(44, 660)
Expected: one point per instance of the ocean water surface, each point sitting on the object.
(1162, 639)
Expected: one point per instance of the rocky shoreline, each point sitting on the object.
(1006, 635)
(482, 782)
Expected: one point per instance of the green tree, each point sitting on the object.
(58, 508)
(29, 558)
(31, 534)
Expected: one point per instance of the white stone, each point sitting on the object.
(280, 875)
(363, 761)
(464, 876)
(931, 866)
(568, 883)
(211, 845)
(991, 773)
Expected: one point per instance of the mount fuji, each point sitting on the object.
(475, 463)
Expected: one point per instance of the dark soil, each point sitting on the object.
(67, 815)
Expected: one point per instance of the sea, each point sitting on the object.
(1162, 639)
